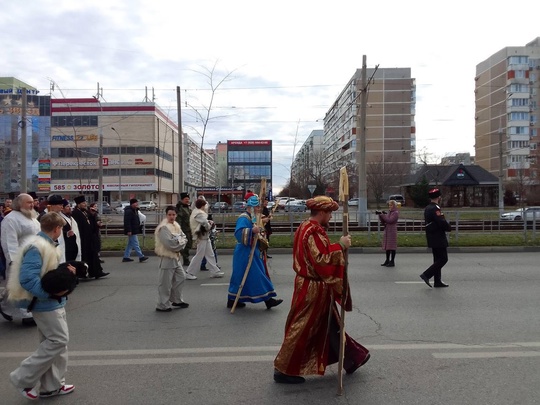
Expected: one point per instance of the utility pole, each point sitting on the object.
(22, 125)
(100, 172)
(180, 143)
(361, 147)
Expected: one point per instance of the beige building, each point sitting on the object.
(139, 146)
(390, 126)
(506, 114)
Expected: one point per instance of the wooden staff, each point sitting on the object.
(256, 221)
(344, 199)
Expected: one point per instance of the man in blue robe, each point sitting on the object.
(257, 287)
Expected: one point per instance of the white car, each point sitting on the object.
(518, 215)
(147, 205)
(119, 209)
(353, 202)
(295, 206)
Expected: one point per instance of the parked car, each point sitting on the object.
(147, 205)
(295, 206)
(519, 215)
(284, 200)
(119, 209)
(353, 202)
(397, 198)
(239, 206)
(106, 208)
(220, 206)
(270, 205)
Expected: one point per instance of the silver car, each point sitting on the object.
(527, 213)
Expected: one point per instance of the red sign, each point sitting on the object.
(105, 161)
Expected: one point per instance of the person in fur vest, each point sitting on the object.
(42, 373)
(200, 229)
(169, 242)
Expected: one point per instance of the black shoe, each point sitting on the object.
(385, 263)
(180, 304)
(440, 284)
(164, 310)
(355, 367)
(126, 259)
(102, 274)
(390, 264)
(101, 261)
(426, 280)
(272, 302)
(203, 269)
(268, 256)
(230, 304)
(6, 316)
(281, 378)
(28, 322)
(143, 259)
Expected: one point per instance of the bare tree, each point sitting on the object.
(205, 113)
(381, 177)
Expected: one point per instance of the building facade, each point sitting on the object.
(390, 127)
(507, 97)
(32, 125)
(309, 163)
(248, 161)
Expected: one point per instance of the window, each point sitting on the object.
(518, 60)
(519, 116)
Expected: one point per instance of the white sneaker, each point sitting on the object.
(219, 274)
(190, 276)
(63, 390)
(30, 393)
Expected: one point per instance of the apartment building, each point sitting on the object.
(506, 113)
(309, 162)
(390, 127)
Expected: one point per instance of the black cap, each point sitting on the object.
(79, 199)
(183, 195)
(55, 199)
(434, 193)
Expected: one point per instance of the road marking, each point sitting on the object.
(484, 355)
(172, 360)
(214, 285)
(275, 349)
(409, 282)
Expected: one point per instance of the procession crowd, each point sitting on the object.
(36, 243)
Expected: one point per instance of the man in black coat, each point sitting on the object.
(436, 228)
(89, 253)
(132, 227)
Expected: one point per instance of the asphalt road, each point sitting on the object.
(476, 342)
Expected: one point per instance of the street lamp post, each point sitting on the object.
(119, 164)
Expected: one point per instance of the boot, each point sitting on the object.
(385, 263)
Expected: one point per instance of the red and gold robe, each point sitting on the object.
(312, 330)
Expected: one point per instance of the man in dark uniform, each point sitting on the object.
(436, 228)
(88, 249)
(183, 214)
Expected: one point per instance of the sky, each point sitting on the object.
(278, 66)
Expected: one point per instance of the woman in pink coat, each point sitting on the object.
(389, 244)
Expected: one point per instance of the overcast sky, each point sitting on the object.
(287, 61)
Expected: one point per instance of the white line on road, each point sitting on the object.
(275, 349)
(408, 282)
(484, 355)
(171, 360)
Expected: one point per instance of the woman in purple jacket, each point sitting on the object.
(389, 220)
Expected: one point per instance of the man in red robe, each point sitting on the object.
(311, 340)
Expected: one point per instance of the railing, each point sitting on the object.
(410, 222)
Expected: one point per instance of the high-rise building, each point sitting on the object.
(506, 113)
(32, 124)
(390, 127)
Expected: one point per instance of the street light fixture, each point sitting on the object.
(119, 163)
